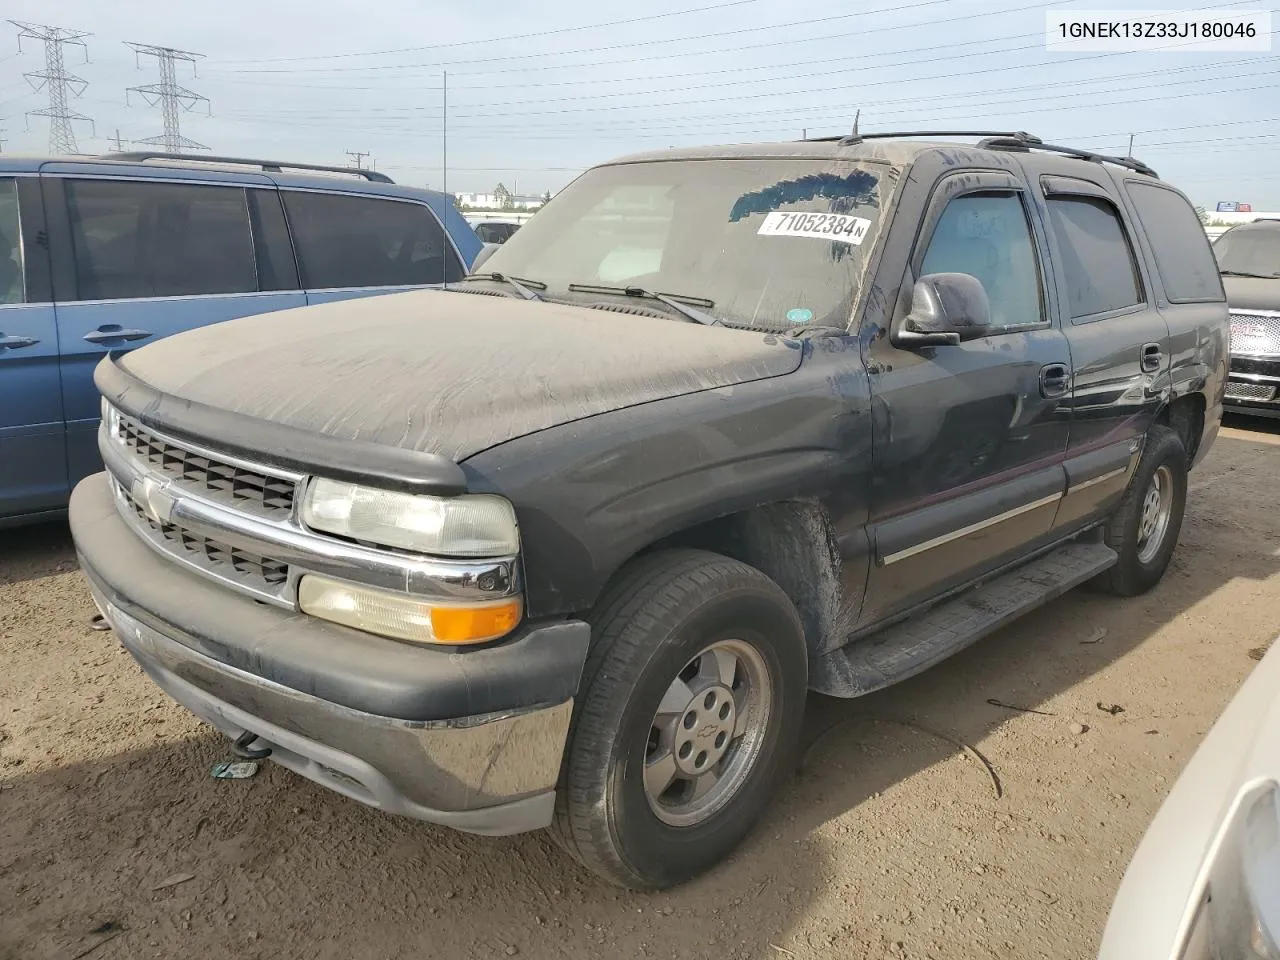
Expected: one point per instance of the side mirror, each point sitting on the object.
(946, 308)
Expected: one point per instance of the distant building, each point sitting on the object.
(496, 201)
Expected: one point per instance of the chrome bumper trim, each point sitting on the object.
(493, 774)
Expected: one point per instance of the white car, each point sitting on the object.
(1204, 883)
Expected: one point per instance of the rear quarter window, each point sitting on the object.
(344, 240)
(1184, 258)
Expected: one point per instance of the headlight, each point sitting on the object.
(1239, 912)
(466, 526)
(403, 617)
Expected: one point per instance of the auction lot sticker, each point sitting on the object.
(823, 226)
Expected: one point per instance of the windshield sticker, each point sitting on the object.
(799, 315)
(823, 226)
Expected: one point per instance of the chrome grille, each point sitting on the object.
(218, 480)
(1250, 391)
(216, 556)
(1255, 334)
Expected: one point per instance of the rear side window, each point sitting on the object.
(349, 241)
(11, 287)
(134, 238)
(1183, 256)
(1098, 260)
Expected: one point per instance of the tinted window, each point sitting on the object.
(348, 241)
(10, 245)
(770, 243)
(141, 239)
(1183, 256)
(1097, 257)
(1252, 250)
(987, 236)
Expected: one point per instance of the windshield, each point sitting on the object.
(1252, 251)
(769, 243)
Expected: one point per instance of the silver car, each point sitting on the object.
(1204, 883)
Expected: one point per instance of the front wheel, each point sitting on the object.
(1144, 529)
(690, 707)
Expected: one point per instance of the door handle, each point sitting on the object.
(1152, 358)
(109, 335)
(16, 343)
(1055, 380)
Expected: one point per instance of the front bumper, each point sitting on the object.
(471, 740)
(1253, 386)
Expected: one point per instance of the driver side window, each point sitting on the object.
(987, 236)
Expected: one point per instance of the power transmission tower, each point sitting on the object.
(55, 79)
(118, 144)
(359, 156)
(171, 97)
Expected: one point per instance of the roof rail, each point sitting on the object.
(270, 166)
(854, 138)
(999, 142)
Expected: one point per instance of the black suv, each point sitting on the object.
(567, 545)
(1249, 258)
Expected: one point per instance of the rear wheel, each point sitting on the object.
(690, 706)
(1144, 529)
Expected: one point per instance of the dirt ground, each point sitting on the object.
(890, 842)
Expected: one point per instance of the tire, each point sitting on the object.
(647, 631)
(1143, 560)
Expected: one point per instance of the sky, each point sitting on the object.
(537, 92)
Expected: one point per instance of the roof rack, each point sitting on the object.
(1017, 144)
(854, 138)
(1018, 141)
(271, 166)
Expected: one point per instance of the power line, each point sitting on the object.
(171, 97)
(592, 126)
(595, 124)
(359, 156)
(56, 81)
(488, 132)
(704, 36)
(520, 36)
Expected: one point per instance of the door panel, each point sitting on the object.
(969, 439)
(33, 468)
(148, 259)
(1119, 340)
(355, 293)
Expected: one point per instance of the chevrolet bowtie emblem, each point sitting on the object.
(155, 501)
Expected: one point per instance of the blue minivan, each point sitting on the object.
(100, 255)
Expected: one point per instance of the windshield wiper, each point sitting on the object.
(521, 285)
(1245, 273)
(678, 302)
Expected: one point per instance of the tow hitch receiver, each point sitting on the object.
(240, 747)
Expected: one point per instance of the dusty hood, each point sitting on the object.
(1252, 293)
(448, 373)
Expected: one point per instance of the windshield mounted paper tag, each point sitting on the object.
(821, 226)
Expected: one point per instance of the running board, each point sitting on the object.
(907, 648)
